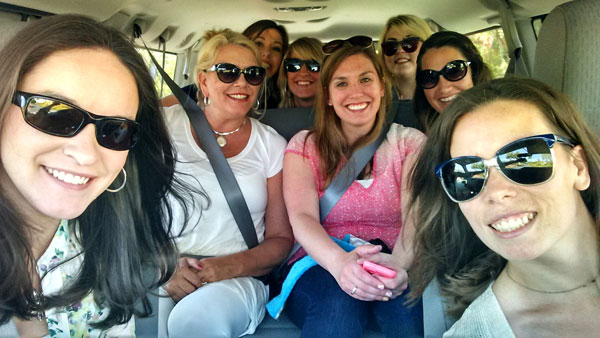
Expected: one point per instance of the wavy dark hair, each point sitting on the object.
(124, 236)
(445, 245)
(479, 70)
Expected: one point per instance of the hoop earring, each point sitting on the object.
(122, 184)
(257, 105)
(206, 101)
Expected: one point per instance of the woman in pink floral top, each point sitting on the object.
(337, 297)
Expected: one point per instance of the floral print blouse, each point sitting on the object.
(73, 320)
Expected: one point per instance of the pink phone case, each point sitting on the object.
(378, 269)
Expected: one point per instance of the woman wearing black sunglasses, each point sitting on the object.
(400, 42)
(299, 73)
(216, 294)
(510, 226)
(448, 63)
(86, 166)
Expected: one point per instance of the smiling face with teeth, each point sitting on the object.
(522, 222)
(229, 102)
(440, 96)
(401, 65)
(303, 84)
(355, 92)
(50, 177)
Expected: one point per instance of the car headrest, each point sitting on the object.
(567, 55)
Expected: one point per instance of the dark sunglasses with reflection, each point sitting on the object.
(59, 118)
(527, 161)
(409, 45)
(292, 65)
(453, 71)
(228, 73)
(357, 40)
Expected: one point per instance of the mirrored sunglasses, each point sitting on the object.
(292, 65)
(409, 45)
(358, 40)
(527, 161)
(228, 73)
(452, 71)
(59, 118)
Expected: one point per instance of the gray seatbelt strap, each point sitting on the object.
(344, 178)
(231, 189)
(342, 181)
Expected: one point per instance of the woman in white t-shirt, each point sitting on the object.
(217, 295)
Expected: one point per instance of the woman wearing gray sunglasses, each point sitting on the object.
(507, 198)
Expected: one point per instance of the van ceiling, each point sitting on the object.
(182, 22)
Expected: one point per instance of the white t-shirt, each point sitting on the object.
(214, 231)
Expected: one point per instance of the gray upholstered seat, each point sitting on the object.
(567, 55)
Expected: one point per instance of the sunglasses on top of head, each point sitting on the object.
(59, 118)
(292, 65)
(409, 45)
(228, 73)
(453, 71)
(357, 40)
(527, 161)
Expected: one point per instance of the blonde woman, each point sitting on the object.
(400, 43)
(299, 73)
(217, 295)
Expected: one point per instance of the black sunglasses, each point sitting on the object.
(409, 45)
(452, 71)
(292, 65)
(358, 40)
(59, 118)
(228, 73)
(526, 161)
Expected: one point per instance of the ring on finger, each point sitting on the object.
(353, 290)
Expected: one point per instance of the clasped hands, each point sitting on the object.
(193, 273)
(362, 285)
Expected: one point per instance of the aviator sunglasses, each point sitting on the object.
(228, 73)
(452, 71)
(292, 65)
(59, 118)
(357, 40)
(409, 45)
(527, 161)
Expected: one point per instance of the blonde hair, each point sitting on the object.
(415, 26)
(305, 48)
(213, 40)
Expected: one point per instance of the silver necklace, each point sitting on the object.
(221, 136)
(543, 291)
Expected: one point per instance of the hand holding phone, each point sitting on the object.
(378, 269)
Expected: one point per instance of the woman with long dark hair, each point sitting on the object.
(507, 202)
(86, 164)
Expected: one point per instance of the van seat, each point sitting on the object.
(288, 121)
(566, 55)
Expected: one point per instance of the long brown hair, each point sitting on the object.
(445, 245)
(328, 134)
(124, 236)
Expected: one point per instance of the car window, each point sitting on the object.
(493, 49)
(170, 61)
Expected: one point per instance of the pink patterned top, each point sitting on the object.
(373, 211)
